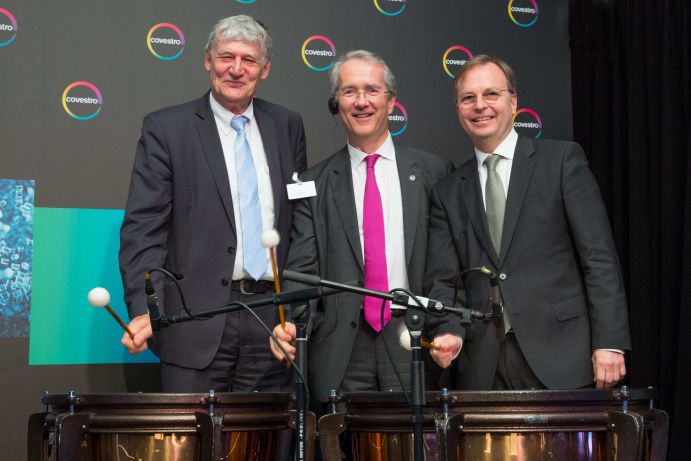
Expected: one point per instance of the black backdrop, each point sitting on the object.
(631, 82)
(85, 164)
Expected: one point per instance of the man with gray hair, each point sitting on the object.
(208, 177)
(368, 221)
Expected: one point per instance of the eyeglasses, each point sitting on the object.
(352, 93)
(490, 97)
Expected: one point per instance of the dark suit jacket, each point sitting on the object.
(325, 241)
(559, 273)
(179, 215)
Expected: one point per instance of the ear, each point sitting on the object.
(265, 71)
(391, 103)
(514, 103)
(207, 61)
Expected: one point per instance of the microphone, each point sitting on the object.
(397, 298)
(99, 297)
(152, 303)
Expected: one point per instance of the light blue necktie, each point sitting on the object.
(254, 254)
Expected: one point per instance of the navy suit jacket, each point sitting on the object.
(179, 215)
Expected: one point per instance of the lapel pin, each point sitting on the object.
(411, 177)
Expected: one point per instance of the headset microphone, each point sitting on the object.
(333, 106)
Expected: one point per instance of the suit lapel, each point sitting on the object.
(521, 172)
(344, 199)
(410, 178)
(213, 151)
(267, 129)
(471, 195)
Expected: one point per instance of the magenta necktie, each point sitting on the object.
(376, 275)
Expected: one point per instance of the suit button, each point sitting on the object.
(353, 324)
(502, 276)
(224, 282)
(231, 249)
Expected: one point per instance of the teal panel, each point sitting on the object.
(76, 250)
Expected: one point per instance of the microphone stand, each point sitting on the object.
(300, 316)
(415, 321)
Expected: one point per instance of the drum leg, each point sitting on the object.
(330, 427)
(627, 429)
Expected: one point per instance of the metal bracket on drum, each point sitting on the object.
(628, 429)
(330, 428)
(69, 432)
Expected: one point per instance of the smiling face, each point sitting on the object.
(365, 117)
(236, 70)
(486, 124)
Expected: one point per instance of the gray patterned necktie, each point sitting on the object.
(495, 201)
(495, 205)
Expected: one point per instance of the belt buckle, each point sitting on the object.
(242, 288)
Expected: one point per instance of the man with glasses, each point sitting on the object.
(531, 211)
(367, 222)
(209, 175)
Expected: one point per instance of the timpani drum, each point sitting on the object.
(582, 425)
(165, 427)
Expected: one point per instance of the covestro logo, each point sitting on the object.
(82, 100)
(528, 123)
(398, 119)
(165, 41)
(318, 53)
(523, 13)
(390, 7)
(8, 27)
(454, 57)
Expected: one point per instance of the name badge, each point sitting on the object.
(299, 190)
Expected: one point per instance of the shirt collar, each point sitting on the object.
(386, 150)
(223, 115)
(506, 148)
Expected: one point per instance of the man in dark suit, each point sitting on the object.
(530, 210)
(334, 237)
(209, 176)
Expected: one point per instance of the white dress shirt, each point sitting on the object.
(266, 195)
(386, 173)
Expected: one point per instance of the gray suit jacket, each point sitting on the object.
(559, 273)
(325, 241)
(179, 215)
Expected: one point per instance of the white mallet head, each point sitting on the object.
(270, 238)
(98, 297)
(404, 338)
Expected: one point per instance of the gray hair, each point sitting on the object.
(241, 28)
(363, 55)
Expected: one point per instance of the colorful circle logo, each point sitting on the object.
(523, 16)
(528, 123)
(8, 28)
(82, 100)
(454, 58)
(390, 7)
(165, 41)
(398, 119)
(321, 52)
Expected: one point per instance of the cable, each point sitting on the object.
(275, 340)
